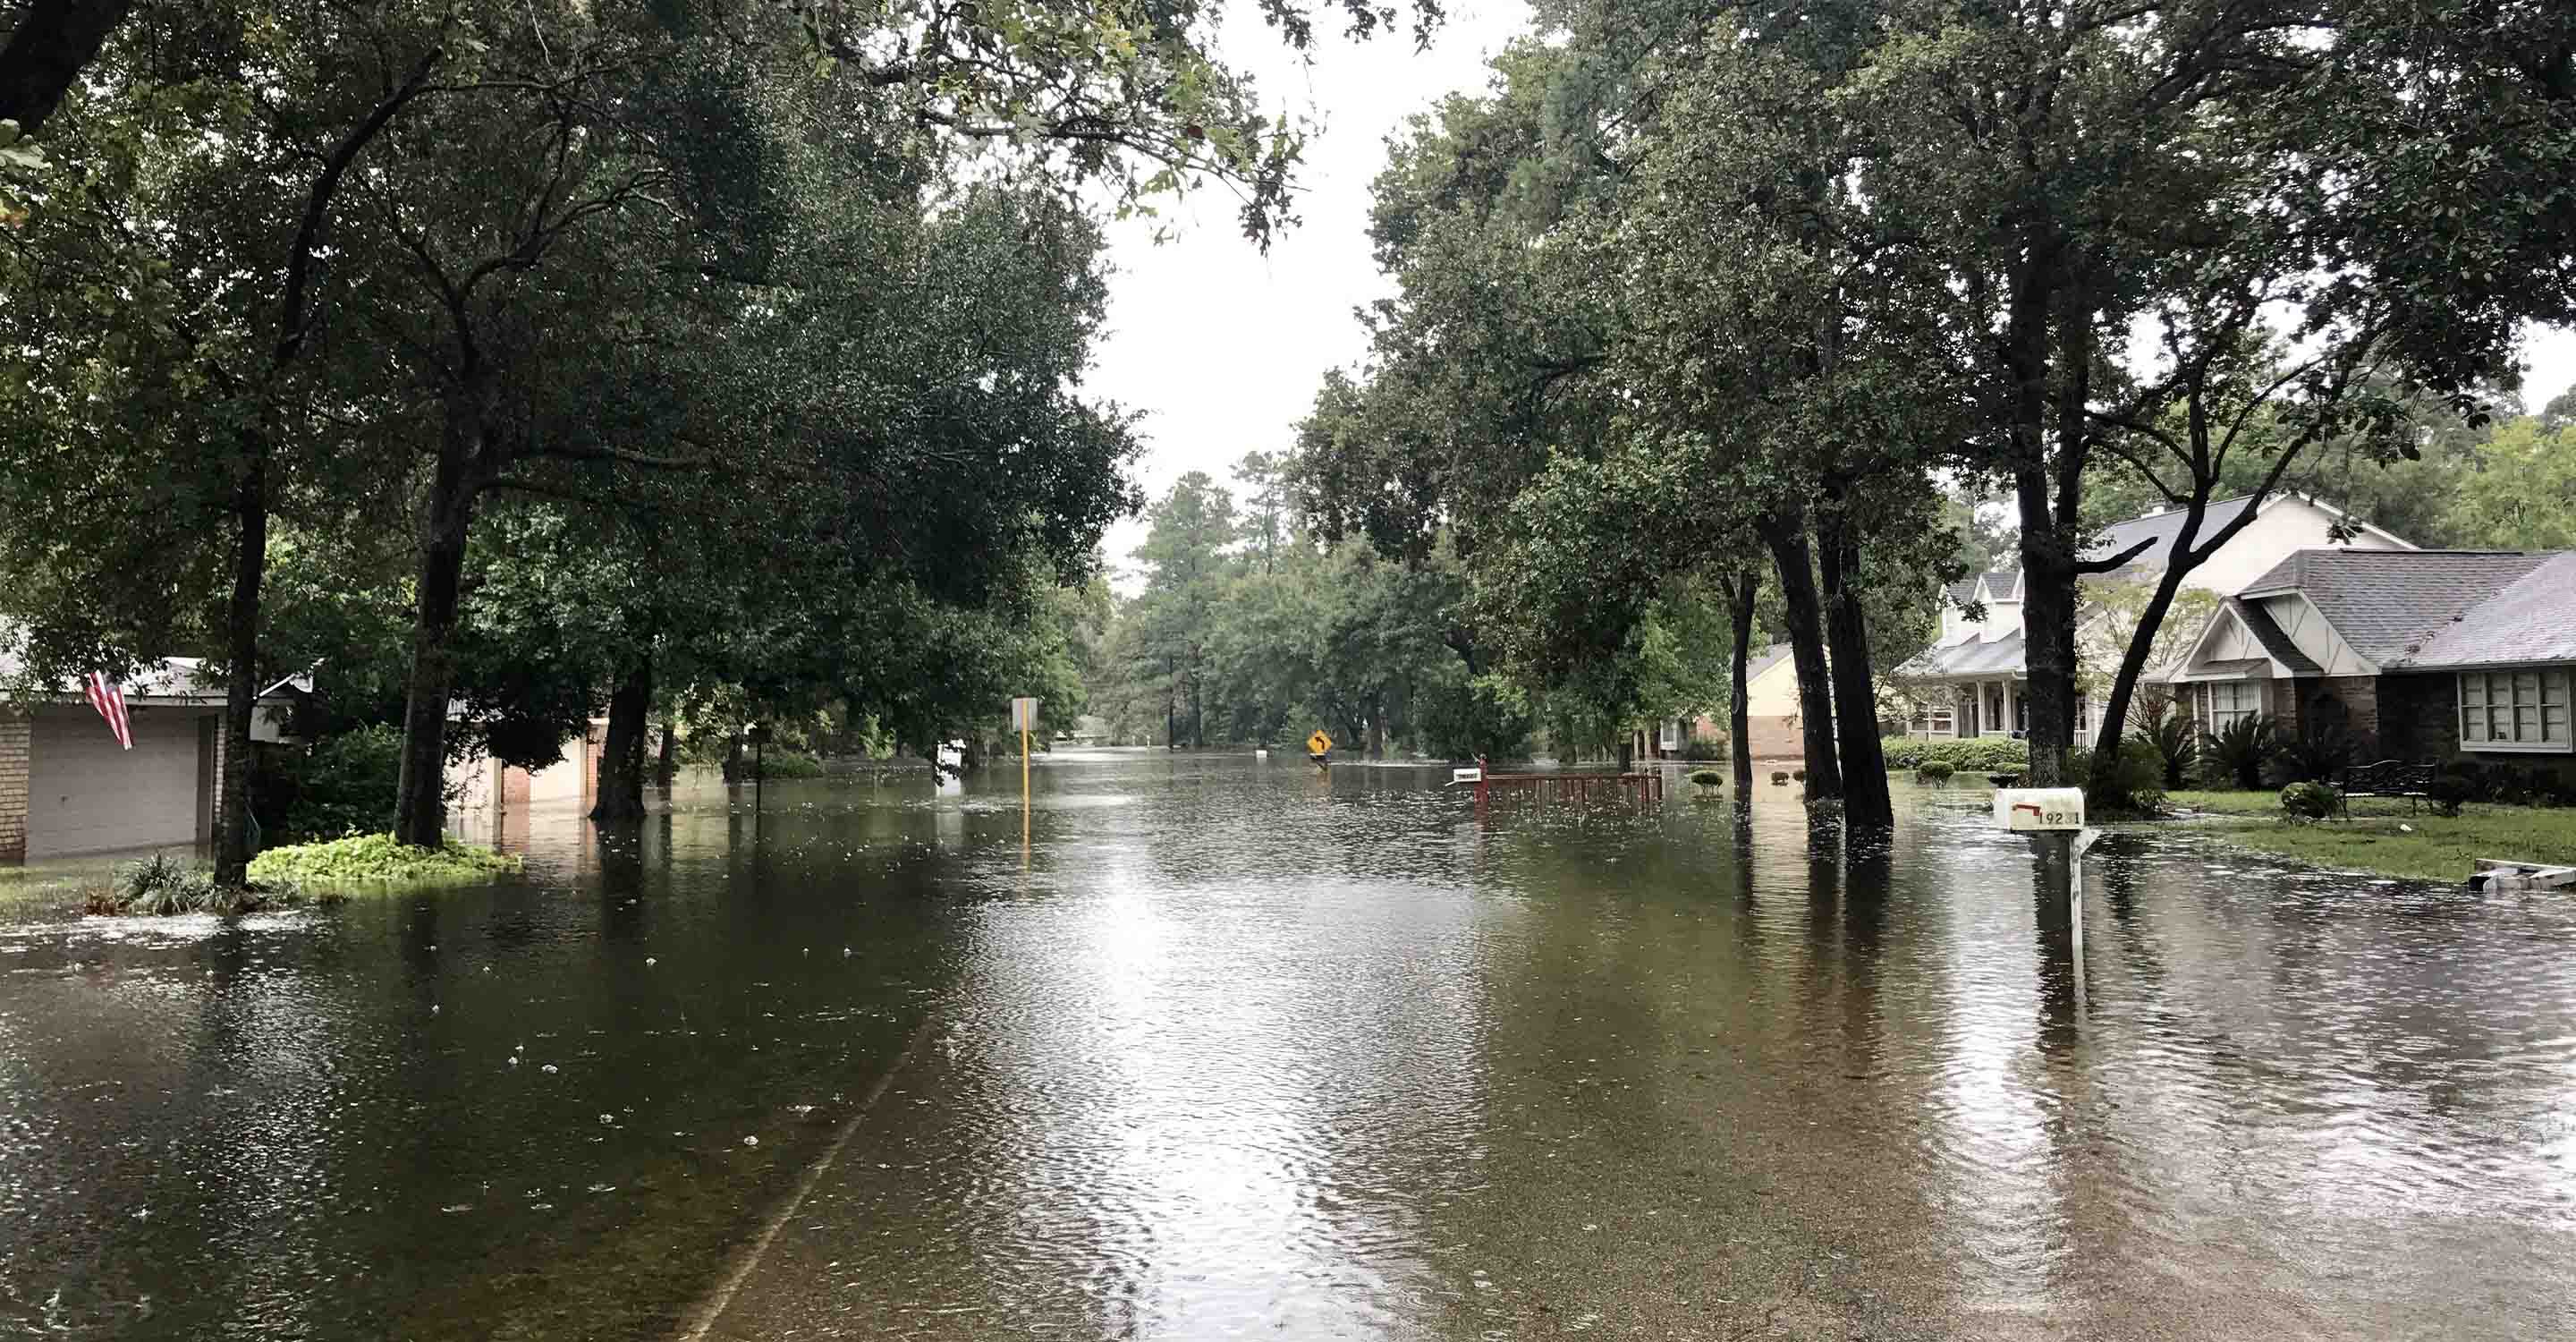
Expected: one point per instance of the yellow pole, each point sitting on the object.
(1024, 791)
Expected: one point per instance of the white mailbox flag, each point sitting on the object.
(2039, 808)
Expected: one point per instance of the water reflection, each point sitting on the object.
(1235, 1048)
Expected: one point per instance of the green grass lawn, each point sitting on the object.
(2382, 836)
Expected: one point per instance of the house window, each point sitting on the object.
(1934, 719)
(1672, 734)
(2231, 702)
(2513, 710)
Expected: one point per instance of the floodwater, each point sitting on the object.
(1232, 1049)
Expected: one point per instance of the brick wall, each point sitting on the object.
(2418, 716)
(1776, 736)
(15, 731)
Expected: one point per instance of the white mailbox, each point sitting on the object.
(2039, 808)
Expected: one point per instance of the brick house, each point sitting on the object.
(67, 789)
(1973, 680)
(2420, 655)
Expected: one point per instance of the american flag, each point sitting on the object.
(110, 703)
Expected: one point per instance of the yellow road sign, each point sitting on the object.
(1319, 744)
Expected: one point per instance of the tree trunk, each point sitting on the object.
(241, 682)
(666, 764)
(45, 54)
(1741, 591)
(1864, 766)
(621, 756)
(1787, 538)
(734, 769)
(420, 797)
(2048, 650)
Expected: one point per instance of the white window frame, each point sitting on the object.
(2536, 700)
(1671, 735)
(2244, 700)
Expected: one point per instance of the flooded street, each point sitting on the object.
(1232, 1049)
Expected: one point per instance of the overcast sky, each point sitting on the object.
(1223, 347)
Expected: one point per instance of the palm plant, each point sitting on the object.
(2239, 750)
(2177, 742)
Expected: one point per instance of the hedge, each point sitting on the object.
(1978, 755)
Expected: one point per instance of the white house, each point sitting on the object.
(67, 788)
(1970, 681)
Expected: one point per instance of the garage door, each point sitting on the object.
(84, 795)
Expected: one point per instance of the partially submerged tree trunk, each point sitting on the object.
(241, 682)
(1864, 766)
(420, 797)
(1741, 589)
(621, 755)
(666, 765)
(1787, 539)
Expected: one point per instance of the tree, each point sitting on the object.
(2519, 492)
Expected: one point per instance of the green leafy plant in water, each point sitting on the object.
(2307, 800)
(1708, 778)
(1974, 755)
(162, 886)
(366, 858)
(1935, 772)
(1779, 778)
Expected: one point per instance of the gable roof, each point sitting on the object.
(2002, 584)
(2275, 640)
(2388, 603)
(1763, 661)
(2158, 529)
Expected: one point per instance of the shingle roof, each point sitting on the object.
(1976, 657)
(2160, 529)
(2533, 619)
(1769, 657)
(2258, 622)
(2387, 603)
(1991, 585)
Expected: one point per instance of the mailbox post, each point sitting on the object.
(2053, 817)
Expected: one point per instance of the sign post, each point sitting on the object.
(1024, 716)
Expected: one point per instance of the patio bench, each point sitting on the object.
(2386, 778)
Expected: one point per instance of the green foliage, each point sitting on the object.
(163, 886)
(1935, 772)
(2318, 757)
(1705, 748)
(2176, 740)
(2136, 785)
(1708, 778)
(340, 785)
(789, 764)
(377, 858)
(2239, 752)
(1982, 754)
(2449, 789)
(2306, 800)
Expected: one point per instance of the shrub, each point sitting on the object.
(1933, 771)
(1800, 775)
(2509, 783)
(161, 886)
(2317, 758)
(2176, 741)
(787, 764)
(343, 785)
(2237, 753)
(376, 857)
(1700, 748)
(1977, 754)
(1779, 778)
(2308, 800)
(1708, 777)
(2448, 790)
(2136, 785)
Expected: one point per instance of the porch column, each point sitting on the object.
(2012, 702)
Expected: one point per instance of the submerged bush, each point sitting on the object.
(2136, 785)
(1704, 748)
(1779, 778)
(1933, 771)
(376, 857)
(1707, 777)
(2308, 800)
(162, 886)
